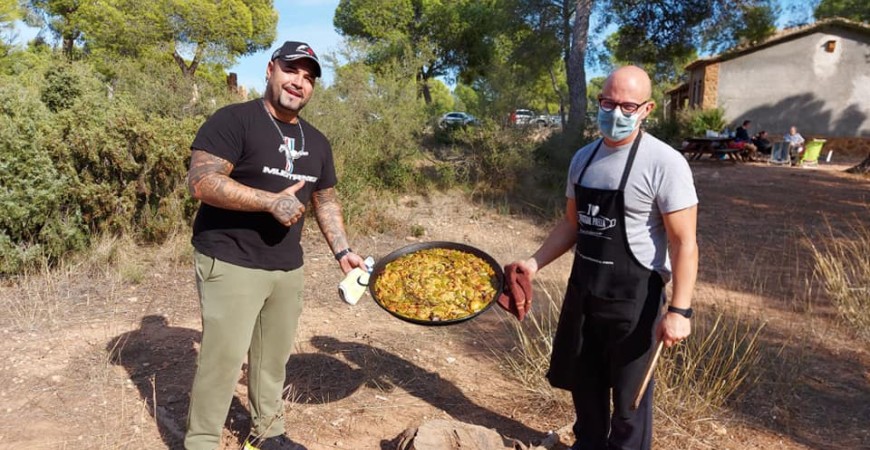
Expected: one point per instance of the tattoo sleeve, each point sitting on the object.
(208, 181)
(327, 210)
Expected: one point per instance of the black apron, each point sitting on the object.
(612, 302)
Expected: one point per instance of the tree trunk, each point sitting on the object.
(863, 168)
(68, 44)
(561, 96)
(427, 94)
(423, 85)
(575, 66)
(188, 70)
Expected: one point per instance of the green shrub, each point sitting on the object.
(158, 89)
(668, 131)
(37, 218)
(78, 159)
(396, 174)
(695, 121)
(494, 159)
(61, 88)
(373, 122)
(553, 158)
(128, 169)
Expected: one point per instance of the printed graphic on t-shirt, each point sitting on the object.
(288, 149)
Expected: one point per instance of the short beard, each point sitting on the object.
(275, 99)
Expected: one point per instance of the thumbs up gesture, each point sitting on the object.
(286, 208)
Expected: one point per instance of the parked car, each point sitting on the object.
(525, 117)
(456, 119)
(549, 120)
(521, 117)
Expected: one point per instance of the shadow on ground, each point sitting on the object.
(812, 394)
(756, 228)
(161, 360)
(382, 370)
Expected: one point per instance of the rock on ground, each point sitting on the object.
(454, 435)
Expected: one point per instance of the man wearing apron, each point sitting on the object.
(631, 199)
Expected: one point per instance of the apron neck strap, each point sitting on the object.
(589, 161)
(628, 164)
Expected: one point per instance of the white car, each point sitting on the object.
(525, 117)
(456, 119)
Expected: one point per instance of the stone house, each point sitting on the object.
(815, 77)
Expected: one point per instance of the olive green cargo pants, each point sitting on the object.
(243, 311)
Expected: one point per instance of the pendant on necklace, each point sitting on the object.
(288, 145)
(288, 148)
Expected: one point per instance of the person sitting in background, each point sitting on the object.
(796, 143)
(762, 143)
(741, 134)
(744, 143)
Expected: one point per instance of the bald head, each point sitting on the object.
(627, 90)
(628, 84)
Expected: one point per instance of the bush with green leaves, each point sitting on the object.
(493, 158)
(128, 169)
(38, 217)
(78, 158)
(696, 121)
(373, 122)
(553, 156)
(61, 88)
(668, 131)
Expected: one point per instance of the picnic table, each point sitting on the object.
(696, 147)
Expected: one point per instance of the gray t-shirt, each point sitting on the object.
(660, 182)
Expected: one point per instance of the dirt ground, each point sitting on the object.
(360, 377)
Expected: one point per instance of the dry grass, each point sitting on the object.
(529, 359)
(694, 379)
(42, 298)
(843, 266)
(699, 376)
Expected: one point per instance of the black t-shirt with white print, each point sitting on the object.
(244, 135)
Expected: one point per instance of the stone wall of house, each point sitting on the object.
(846, 146)
(711, 86)
(802, 82)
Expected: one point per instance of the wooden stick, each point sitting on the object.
(650, 368)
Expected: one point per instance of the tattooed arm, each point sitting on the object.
(208, 180)
(327, 210)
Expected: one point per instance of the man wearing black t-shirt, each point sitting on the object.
(255, 166)
(741, 138)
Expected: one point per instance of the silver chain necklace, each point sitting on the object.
(289, 152)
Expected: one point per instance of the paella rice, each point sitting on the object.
(436, 284)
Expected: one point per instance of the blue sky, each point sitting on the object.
(298, 20)
(311, 21)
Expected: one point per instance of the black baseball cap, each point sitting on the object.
(292, 50)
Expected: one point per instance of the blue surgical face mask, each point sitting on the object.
(616, 126)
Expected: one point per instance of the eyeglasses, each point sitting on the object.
(627, 108)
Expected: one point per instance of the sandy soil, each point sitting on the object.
(360, 377)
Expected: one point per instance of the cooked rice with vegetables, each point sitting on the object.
(436, 284)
